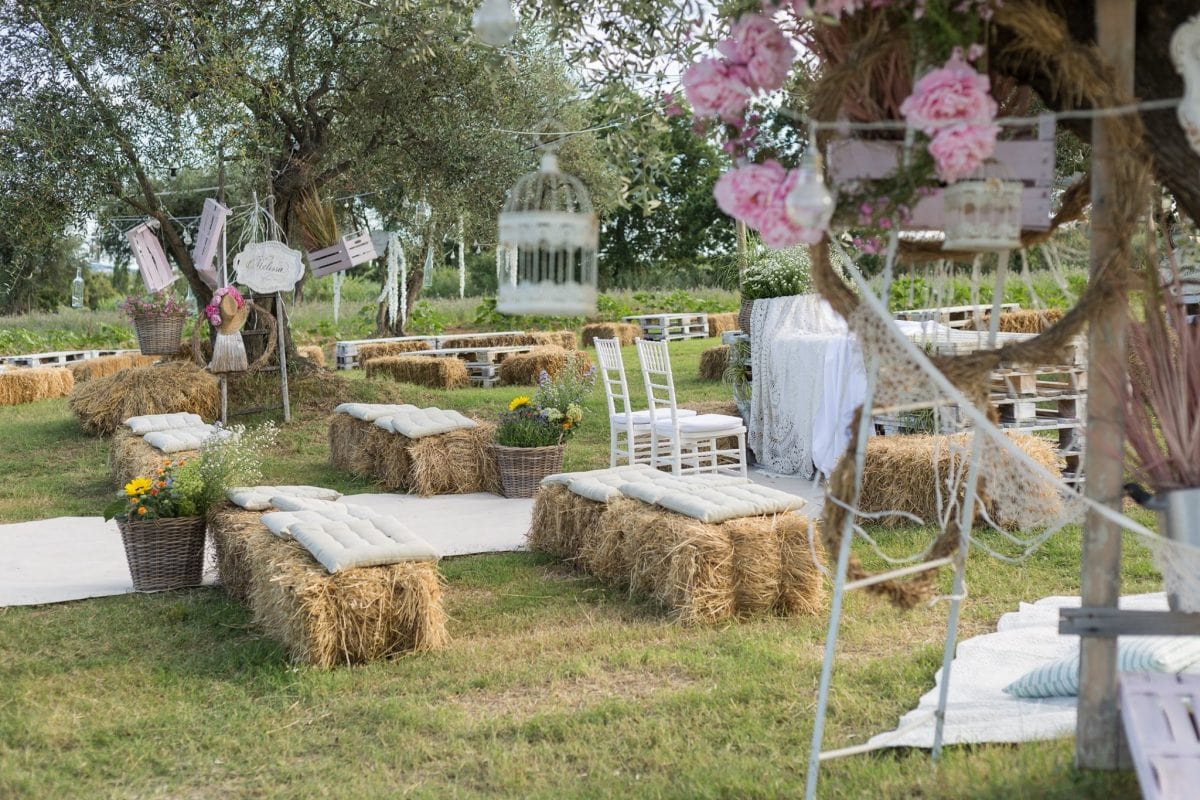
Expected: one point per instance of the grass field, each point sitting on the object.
(552, 687)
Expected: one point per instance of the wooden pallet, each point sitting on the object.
(953, 316)
(57, 358)
(483, 363)
(1161, 715)
(671, 327)
(346, 353)
(1050, 381)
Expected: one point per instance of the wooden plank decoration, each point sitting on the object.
(1031, 162)
(208, 238)
(350, 251)
(1161, 717)
(148, 253)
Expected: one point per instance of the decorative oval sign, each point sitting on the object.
(268, 267)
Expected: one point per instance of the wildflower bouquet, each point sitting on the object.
(554, 412)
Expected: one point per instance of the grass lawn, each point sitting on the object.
(553, 686)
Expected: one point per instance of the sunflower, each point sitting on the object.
(517, 402)
(137, 486)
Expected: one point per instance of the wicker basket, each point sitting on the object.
(522, 468)
(164, 553)
(159, 336)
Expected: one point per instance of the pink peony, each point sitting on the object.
(747, 193)
(759, 44)
(950, 95)
(838, 8)
(716, 88)
(777, 228)
(961, 149)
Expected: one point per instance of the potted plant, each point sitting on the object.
(532, 434)
(161, 515)
(326, 250)
(774, 273)
(1162, 410)
(158, 321)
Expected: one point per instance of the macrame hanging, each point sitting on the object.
(395, 286)
(549, 235)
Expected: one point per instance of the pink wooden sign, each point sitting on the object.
(208, 239)
(151, 260)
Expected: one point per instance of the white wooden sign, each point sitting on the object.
(1185, 53)
(150, 258)
(208, 239)
(268, 267)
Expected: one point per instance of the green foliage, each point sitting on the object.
(778, 273)
(909, 291)
(23, 339)
(488, 318)
(426, 320)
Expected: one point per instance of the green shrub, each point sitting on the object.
(425, 320)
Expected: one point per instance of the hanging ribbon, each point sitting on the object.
(462, 260)
(395, 286)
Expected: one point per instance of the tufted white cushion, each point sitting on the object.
(643, 417)
(419, 422)
(350, 542)
(716, 424)
(602, 485)
(713, 498)
(369, 412)
(258, 498)
(148, 423)
(178, 439)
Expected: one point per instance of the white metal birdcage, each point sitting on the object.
(549, 234)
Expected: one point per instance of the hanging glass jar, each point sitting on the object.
(549, 235)
(77, 287)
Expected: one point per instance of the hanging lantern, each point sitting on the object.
(809, 204)
(494, 22)
(549, 234)
(983, 215)
(77, 290)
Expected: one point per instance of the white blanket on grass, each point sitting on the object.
(369, 412)
(416, 423)
(977, 708)
(792, 339)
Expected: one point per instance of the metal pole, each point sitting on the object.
(1099, 739)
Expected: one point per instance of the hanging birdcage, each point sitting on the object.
(549, 234)
(983, 215)
(77, 290)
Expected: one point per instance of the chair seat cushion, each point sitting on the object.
(643, 417)
(713, 498)
(704, 423)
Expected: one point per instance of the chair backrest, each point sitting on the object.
(612, 375)
(656, 374)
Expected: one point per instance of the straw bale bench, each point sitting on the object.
(322, 619)
(624, 332)
(699, 572)
(29, 385)
(723, 322)
(458, 462)
(436, 372)
(713, 363)
(523, 369)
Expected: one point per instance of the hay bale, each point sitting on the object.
(108, 365)
(350, 617)
(366, 352)
(1029, 320)
(904, 474)
(19, 386)
(458, 462)
(703, 573)
(523, 369)
(130, 457)
(563, 522)
(564, 339)
(103, 404)
(436, 372)
(722, 322)
(490, 340)
(347, 436)
(713, 363)
(623, 332)
(312, 352)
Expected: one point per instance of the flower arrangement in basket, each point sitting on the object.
(532, 434)
(158, 321)
(161, 516)
(227, 313)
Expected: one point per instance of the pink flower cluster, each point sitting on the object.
(954, 106)
(213, 309)
(756, 57)
(755, 194)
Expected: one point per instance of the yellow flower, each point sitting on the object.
(137, 486)
(517, 402)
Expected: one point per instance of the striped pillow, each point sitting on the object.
(1134, 654)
